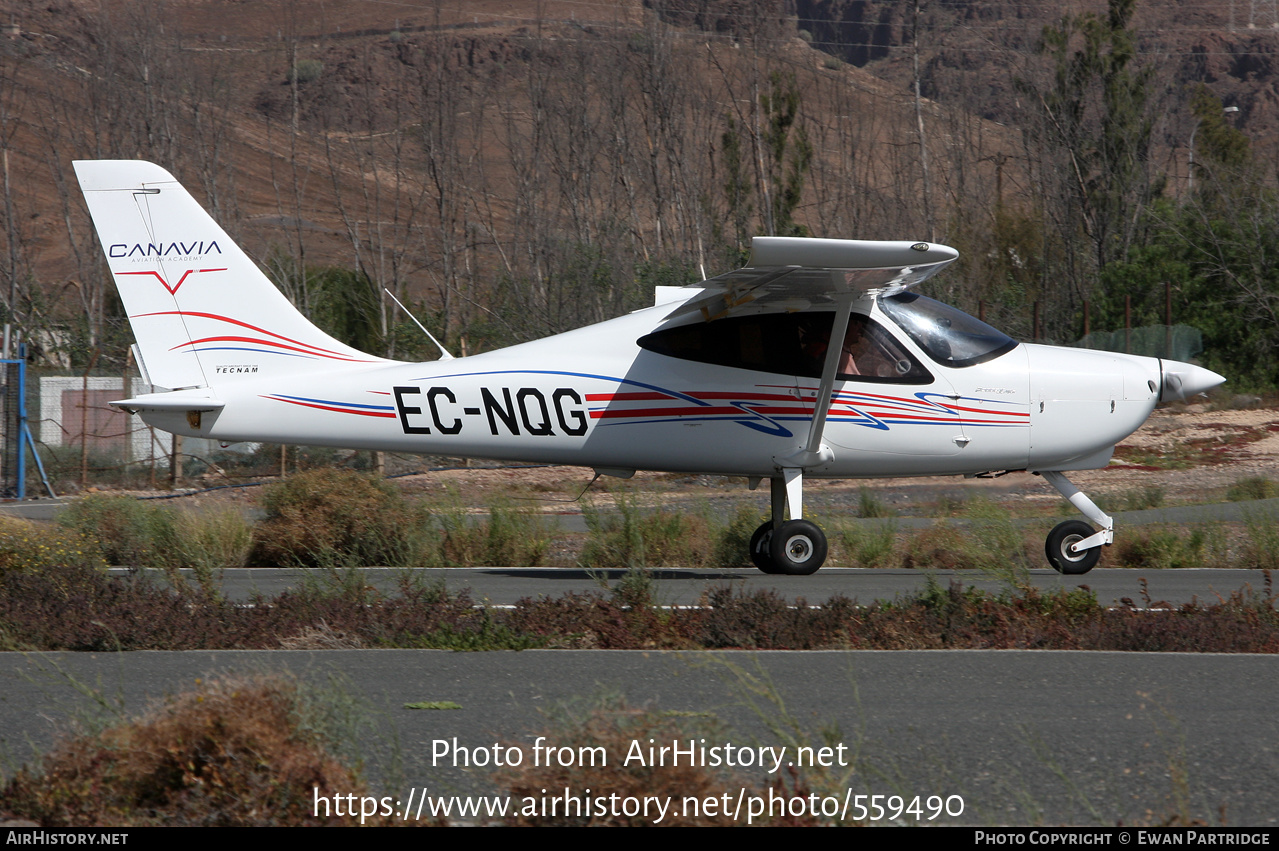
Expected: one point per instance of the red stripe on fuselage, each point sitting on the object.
(388, 414)
(708, 410)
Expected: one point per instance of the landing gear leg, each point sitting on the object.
(1073, 547)
(796, 546)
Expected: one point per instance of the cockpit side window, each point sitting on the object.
(871, 354)
(792, 344)
(947, 335)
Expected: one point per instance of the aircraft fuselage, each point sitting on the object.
(597, 398)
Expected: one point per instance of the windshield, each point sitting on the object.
(947, 335)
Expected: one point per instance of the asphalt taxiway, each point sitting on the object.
(1024, 737)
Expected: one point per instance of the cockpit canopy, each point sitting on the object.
(947, 335)
(796, 343)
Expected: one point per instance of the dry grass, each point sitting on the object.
(338, 518)
(241, 751)
(66, 608)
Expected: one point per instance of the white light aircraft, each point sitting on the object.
(816, 360)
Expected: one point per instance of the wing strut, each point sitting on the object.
(814, 452)
(821, 407)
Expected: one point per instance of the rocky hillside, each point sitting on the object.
(517, 167)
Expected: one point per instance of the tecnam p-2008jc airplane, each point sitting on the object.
(817, 359)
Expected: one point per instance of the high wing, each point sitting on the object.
(793, 273)
(790, 274)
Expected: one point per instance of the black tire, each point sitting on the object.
(798, 548)
(1057, 548)
(760, 555)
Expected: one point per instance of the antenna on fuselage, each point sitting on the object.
(444, 353)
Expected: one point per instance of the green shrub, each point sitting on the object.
(1261, 541)
(128, 532)
(869, 545)
(994, 546)
(28, 547)
(513, 536)
(1253, 487)
(952, 505)
(1133, 499)
(1159, 548)
(1138, 499)
(941, 547)
(207, 542)
(732, 542)
(635, 537)
(339, 518)
(517, 536)
(870, 505)
(306, 70)
(134, 533)
(461, 541)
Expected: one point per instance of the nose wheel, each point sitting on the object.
(1061, 552)
(1073, 547)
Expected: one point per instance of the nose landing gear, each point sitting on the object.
(1073, 547)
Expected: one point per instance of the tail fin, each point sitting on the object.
(201, 310)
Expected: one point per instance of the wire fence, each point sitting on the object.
(1174, 342)
(86, 442)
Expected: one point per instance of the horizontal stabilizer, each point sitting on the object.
(169, 402)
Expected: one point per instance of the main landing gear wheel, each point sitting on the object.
(760, 542)
(1058, 545)
(798, 548)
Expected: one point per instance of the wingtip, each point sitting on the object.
(847, 253)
